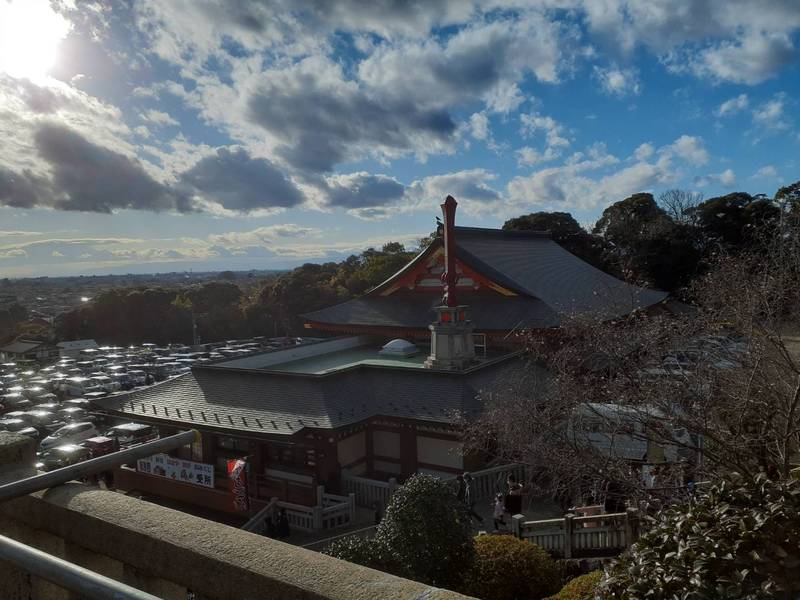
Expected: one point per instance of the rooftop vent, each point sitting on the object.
(399, 347)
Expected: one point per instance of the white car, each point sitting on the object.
(74, 433)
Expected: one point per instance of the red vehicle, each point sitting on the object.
(100, 446)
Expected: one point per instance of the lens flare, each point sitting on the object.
(30, 34)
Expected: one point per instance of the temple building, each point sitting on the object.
(386, 394)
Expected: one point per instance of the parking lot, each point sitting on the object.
(54, 403)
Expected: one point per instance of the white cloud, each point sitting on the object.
(738, 41)
(733, 106)
(479, 126)
(617, 81)
(771, 116)
(472, 188)
(689, 149)
(263, 235)
(644, 151)
(726, 178)
(574, 186)
(158, 117)
(765, 172)
(749, 60)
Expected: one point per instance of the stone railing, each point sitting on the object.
(169, 553)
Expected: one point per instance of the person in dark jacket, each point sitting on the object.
(282, 530)
(468, 500)
(514, 496)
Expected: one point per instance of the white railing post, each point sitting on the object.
(568, 529)
(516, 525)
(631, 525)
(316, 516)
(320, 495)
(352, 497)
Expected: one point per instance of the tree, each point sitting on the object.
(680, 205)
(561, 225)
(719, 381)
(733, 220)
(738, 541)
(628, 221)
(425, 535)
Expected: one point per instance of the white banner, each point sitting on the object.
(163, 465)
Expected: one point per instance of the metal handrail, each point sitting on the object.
(61, 572)
(67, 575)
(43, 481)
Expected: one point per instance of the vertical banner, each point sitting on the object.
(237, 473)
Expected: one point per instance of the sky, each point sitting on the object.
(170, 135)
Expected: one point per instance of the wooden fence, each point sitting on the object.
(580, 537)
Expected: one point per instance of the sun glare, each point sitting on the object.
(30, 33)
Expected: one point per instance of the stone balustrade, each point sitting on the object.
(169, 553)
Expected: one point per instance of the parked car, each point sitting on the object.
(132, 433)
(73, 413)
(101, 445)
(63, 456)
(37, 433)
(12, 424)
(41, 418)
(72, 433)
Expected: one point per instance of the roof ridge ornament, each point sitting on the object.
(452, 347)
(450, 276)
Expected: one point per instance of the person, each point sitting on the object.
(468, 501)
(499, 512)
(269, 527)
(461, 490)
(376, 507)
(282, 530)
(514, 496)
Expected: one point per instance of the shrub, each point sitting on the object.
(368, 552)
(508, 568)
(429, 532)
(738, 541)
(580, 588)
(425, 535)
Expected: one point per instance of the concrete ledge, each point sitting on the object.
(157, 548)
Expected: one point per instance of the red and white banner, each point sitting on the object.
(237, 473)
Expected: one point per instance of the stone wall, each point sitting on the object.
(167, 552)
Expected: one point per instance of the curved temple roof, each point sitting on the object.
(548, 283)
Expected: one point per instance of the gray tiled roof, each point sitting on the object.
(488, 310)
(545, 270)
(20, 347)
(549, 280)
(263, 402)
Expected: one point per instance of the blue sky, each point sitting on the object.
(163, 135)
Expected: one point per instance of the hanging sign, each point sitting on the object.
(186, 471)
